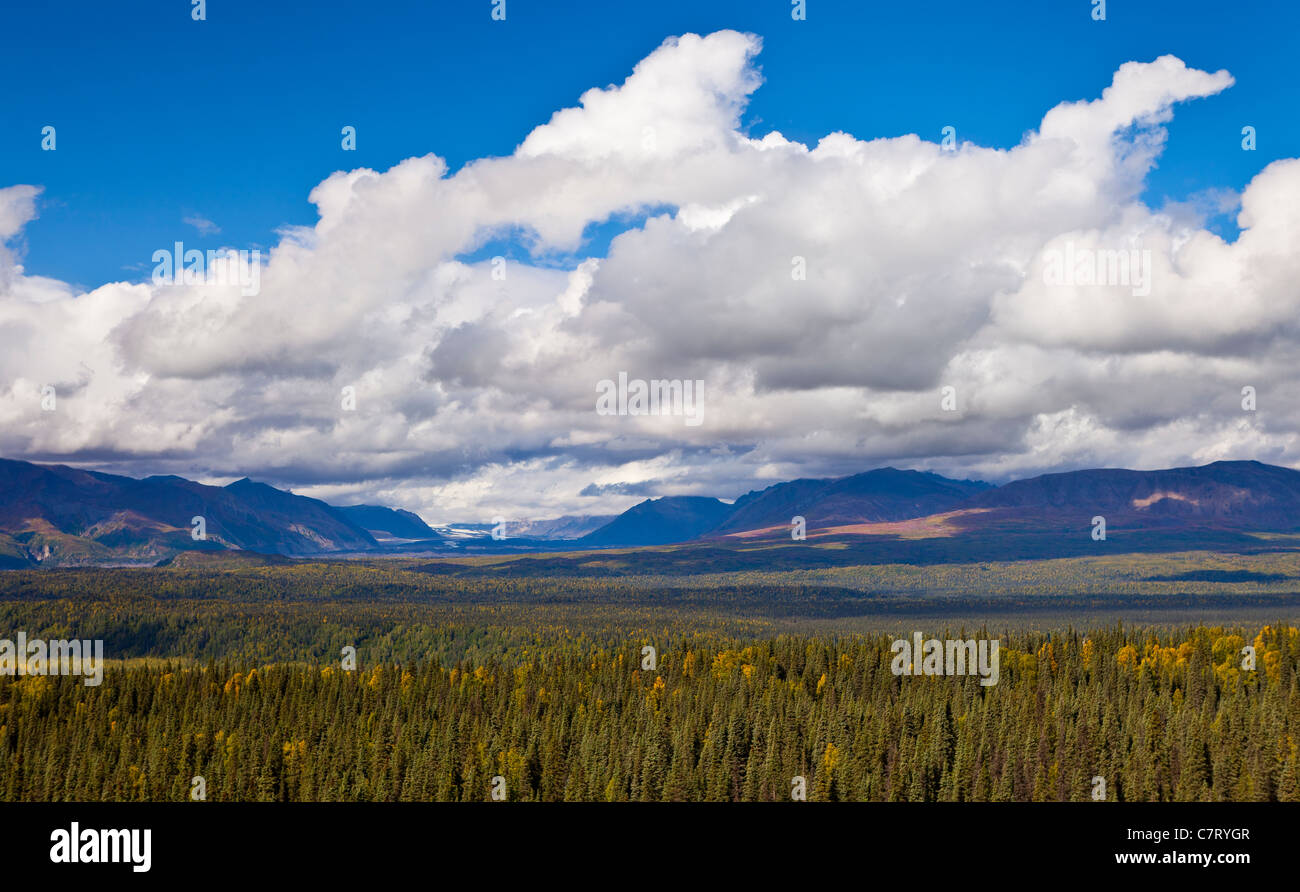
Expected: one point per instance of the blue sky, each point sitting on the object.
(236, 118)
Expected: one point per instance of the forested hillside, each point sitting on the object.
(241, 677)
(1159, 717)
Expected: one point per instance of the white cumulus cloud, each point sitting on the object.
(824, 294)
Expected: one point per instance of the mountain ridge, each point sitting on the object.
(879, 495)
(56, 515)
(78, 517)
(1247, 494)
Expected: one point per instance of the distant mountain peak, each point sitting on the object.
(661, 521)
(248, 483)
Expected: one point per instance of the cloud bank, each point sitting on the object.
(847, 305)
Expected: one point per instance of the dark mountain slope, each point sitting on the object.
(393, 522)
(882, 495)
(1240, 495)
(661, 522)
(68, 516)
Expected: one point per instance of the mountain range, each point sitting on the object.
(65, 516)
(54, 515)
